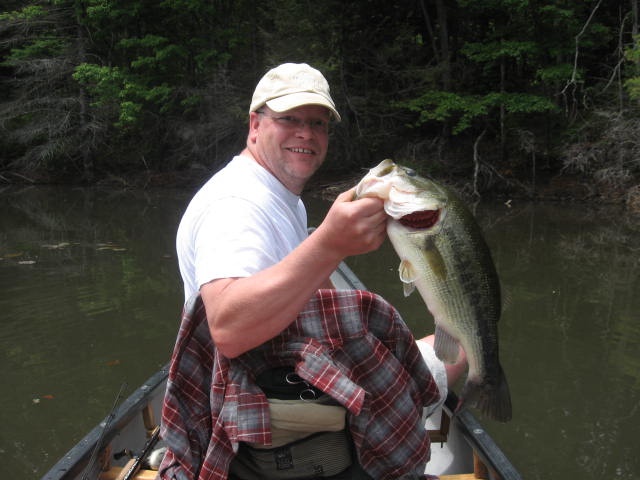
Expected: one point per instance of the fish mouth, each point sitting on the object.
(421, 220)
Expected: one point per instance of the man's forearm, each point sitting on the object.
(245, 312)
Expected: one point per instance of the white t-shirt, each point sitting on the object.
(241, 221)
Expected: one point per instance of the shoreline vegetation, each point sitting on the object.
(501, 99)
(328, 184)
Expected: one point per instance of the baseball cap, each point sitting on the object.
(292, 85)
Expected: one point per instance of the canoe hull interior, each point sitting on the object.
(128, 427)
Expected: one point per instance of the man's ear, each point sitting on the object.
(254, 122)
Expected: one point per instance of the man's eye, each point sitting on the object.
(289, 120)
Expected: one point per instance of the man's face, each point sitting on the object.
(292, 144)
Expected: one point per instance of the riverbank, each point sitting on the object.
(561, 187)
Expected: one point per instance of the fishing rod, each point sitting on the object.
(107, 423)
(135, 464)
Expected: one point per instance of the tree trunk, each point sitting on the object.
(429, 27)
(85, 152)
(443, 31)
(503, 141)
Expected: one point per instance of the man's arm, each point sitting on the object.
(454, 370)
(245, 312)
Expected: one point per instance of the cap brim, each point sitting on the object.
(294, 100)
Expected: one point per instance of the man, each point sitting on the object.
(250, 215)
(243, 245)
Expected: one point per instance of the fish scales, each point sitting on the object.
(444, 256)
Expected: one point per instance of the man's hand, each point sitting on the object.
(353, 227)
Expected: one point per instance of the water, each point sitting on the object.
(90, 299)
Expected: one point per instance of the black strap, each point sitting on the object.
(275, 384)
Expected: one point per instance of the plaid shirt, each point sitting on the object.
(351, 344)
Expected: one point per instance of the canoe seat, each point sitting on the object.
(114, 472)
(459, 476)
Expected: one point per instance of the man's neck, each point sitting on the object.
(247, 153)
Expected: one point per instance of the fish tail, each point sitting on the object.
(493, 399)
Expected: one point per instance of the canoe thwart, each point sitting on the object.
(441, 434)
(459, 476)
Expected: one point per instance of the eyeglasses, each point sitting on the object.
(290, 122)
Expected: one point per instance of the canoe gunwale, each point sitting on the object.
(75, 460)
(481, 442)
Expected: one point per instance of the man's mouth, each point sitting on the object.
(301, 150)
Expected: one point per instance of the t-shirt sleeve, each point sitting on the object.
(232, 240)
(438, 372)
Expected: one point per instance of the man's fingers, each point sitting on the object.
(348, 196)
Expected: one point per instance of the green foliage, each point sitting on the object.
(98, 11)
(633, 87)
(40, 48)
(632, 54)
(463, 110)
(29, 12)
(489, 52)
(154, 64)
(111, 86)
(522, 102)
(176, 75)
(104, 83)
(553, 74)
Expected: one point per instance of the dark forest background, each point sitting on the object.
(519, 97)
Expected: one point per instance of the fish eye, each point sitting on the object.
(410, 171)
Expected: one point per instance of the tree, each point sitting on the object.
(107, 87)
(115, 86)
(164, 78)
(632, 54)
(43, 111)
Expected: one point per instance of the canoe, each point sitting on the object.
(461, 449)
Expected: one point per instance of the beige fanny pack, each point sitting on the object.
(309, 440)
(292, 420)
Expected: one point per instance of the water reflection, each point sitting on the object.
(572, 337)
(90, 299)
(91, 296)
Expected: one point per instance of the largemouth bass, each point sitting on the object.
(443, 254)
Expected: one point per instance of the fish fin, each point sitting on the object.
(491, 398)
(445, 346)
(407, 277)
(408, 288)
(435, 261)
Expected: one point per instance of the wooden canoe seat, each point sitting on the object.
(459, 476)
(114, 473)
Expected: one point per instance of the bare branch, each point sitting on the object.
(476, 163)
(574, 74)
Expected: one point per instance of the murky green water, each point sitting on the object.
(90, 297)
